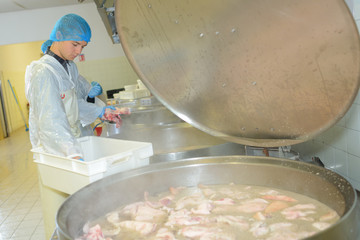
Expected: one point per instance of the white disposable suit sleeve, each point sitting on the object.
(88, 112)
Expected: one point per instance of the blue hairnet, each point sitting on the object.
(70, 27)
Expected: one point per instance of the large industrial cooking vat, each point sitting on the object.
(150, 115)
(171, 137)
(254, 72)
(141, 115)
(178, 141)
(104, 196)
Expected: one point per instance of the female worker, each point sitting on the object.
(60, 99)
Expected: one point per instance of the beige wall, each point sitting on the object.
(111, 73)
(13, 60)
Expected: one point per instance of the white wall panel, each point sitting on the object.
(339, 138)
(340, 162)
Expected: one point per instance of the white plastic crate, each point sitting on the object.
(130, 87)
(102, 157)
(134, 94)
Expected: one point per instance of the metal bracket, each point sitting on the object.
(106, 10)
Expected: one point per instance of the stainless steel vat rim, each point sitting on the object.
(258, 73)
(226, 160)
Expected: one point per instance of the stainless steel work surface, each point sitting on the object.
(255, 72)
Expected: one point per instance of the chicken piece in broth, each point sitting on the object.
(207, 212)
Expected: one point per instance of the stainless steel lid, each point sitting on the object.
(255, 72)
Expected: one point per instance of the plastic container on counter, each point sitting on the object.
(131, 87)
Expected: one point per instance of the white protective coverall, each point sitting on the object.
(53, 123)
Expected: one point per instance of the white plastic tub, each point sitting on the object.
(102, 157)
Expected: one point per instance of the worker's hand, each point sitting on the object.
(112, 114)
(104, 109)
(95, 90)
(78, 158)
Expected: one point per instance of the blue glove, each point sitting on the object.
(95, 90)
(103, 111)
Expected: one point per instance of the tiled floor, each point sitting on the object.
(20, 206)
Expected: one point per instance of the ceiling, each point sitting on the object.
(20, 5)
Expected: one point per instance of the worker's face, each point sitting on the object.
(69, 50)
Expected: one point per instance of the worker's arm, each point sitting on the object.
(88, 112)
